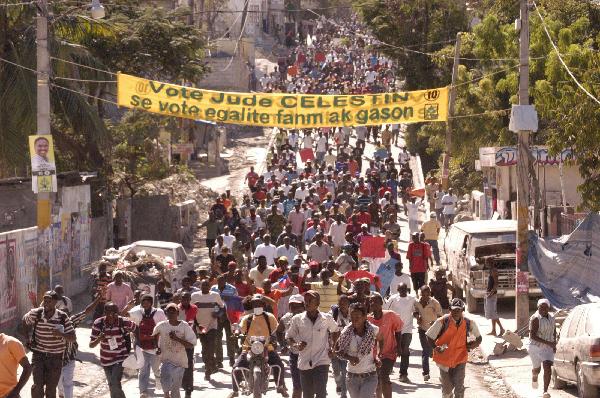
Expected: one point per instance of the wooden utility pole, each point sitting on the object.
(451, 100)
(43, 128)
(523, 186)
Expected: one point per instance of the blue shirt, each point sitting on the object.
(228, 294)
(288, 205)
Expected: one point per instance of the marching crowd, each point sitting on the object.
(308, 258)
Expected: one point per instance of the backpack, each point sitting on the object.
(446, 323)
(126, 335)
(144, 331)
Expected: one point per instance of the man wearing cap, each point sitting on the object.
(174, 337)
(263, 324)
(52, 329)
(542, 334)
(452, 337)
(296, 306)
(145, 317)
(431, 228)
(319, 250)
(210, 305)
(313, 334)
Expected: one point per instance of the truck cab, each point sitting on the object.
(468, 244)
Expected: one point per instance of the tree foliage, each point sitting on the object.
(568, 118)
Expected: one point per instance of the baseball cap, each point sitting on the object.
(147, 296)
(171, 305)
(283, 258)
(296, 298)
(457, 304)
(313, 264)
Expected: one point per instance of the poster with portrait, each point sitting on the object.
(8, 280)
(43, 165)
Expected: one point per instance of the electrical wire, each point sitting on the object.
(479, 114)
(561, 59)
(83, 94)
(237, 43)
(83, 66)
(25, 3)
(486, 75)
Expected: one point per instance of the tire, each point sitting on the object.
(557, 383)
(471, 301)
(257, 385)
(584, 389)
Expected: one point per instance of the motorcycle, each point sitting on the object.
(255, 378)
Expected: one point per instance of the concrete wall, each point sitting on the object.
(228, 74)
(17, 206)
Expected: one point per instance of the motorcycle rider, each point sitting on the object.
(262, 324)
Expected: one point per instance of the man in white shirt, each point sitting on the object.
(146, 318)
(449, 203)
(313, 334)
(261, 272)
(403, 305)
(337, 235)
(301, 193)
(266, 249)
(321, 147)
(412, 211)
(307, 141)
(228, 239)
(293, 139)
(209, 306)
(286, 250)
(399, 277)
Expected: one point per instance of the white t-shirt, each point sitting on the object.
(228, 240)
(449, 201)
(338, 234)
(301, 194)
(412, 210)
(259, 277)
(366, 363)
(206, 307)
(173, 351)
(405, 308)
(307, 141)
(370, 76)
(293, 140)
(396, 280)
(269, 251)
(322, 144)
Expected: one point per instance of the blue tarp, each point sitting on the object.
(568, 268)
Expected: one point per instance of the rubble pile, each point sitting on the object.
(181, 187)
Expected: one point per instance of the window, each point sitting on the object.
(593, 326)
(574, 322)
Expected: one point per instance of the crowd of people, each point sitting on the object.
(287, 263)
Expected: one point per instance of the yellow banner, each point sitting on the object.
(283, 110)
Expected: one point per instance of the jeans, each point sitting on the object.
(295, 372)
(46, 373)
(314, 382)
(273, 359)
(362, 387)
(171, 377)
(320, 156)
(114, 374)
(435, 249)
(225, 325)
(209, 343)
(425, 351)
(188, 374)
(150, 361)
(65, 384)
(405, 353)
(453, 379)
(339, 373)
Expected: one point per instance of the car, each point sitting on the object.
(577, 358)
(468, 244)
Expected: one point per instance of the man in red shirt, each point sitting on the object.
(361, 273)
(251, 178)
(418, 255)
(390, 327)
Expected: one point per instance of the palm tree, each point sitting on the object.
(77, 123)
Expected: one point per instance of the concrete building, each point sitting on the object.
(558, 178)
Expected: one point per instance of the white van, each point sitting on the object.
(468, 244)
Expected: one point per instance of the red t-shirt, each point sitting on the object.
(364, 218)
(354, 275)
(252, 178)
(417, 255)
(189, 314)
(389, 324)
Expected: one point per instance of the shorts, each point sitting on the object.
(539, 354)
(491, 307)
(384, 372)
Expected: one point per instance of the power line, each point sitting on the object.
(83, 94)
(560, 57)
(480, 114)
(486, 75)
(25, 3)
(83, 66)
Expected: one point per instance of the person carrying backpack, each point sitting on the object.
(112, 332)
(146, 317)
(451, 337)
(51, 330)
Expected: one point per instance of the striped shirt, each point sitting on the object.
(110, 356)
(44, 340)
(102, 282)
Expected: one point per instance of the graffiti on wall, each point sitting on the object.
(8, 279)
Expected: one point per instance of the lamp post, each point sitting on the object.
(43, 127)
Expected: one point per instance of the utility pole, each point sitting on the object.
(523, 194)
(452, 99)
(43, 128)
